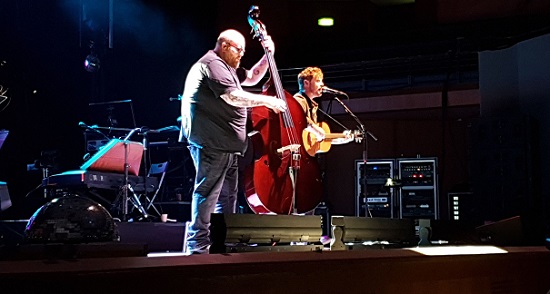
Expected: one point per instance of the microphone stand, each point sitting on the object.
(333, 119)
(364, 134)
(145, 132)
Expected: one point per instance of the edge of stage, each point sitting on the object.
(150, 258)
(519, 270)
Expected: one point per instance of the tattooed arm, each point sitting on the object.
(241, 98)
(258, 71)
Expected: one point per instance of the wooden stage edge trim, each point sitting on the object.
(175, 259)
(520, 270)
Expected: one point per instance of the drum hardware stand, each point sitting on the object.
(45, 163)
(45, 175)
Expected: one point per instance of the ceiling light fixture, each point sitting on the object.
(325, 21)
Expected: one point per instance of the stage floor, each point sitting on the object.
(149, 258)
(516, 270)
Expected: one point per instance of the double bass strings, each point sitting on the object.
(287, 116)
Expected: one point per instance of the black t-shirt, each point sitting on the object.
(207, 120)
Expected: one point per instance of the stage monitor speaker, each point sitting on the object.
(454, 232)
(111, 158)
(148, 233)
(514, 231)
(233, 231)
(399, 232)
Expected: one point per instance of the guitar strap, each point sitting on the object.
(311, 105)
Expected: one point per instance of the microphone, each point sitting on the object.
(83, 125)
(93, 128)
(328, 90)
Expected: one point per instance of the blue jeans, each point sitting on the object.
(215, 191)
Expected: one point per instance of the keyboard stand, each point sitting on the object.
(127, 187)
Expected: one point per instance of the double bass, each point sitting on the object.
(284, 178)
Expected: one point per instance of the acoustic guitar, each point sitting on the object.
(312, 146)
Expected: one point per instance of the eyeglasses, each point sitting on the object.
(240, 50)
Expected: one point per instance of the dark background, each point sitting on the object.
(376, 49)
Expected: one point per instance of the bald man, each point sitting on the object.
(213, 110)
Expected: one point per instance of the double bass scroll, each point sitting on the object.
(284, 179)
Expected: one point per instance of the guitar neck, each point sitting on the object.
(335, 135)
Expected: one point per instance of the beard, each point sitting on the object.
(234, 62)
